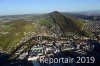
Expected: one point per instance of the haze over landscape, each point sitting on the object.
(49, 32)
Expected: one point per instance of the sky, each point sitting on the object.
(13, 7)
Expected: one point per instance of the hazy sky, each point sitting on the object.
(9, 7)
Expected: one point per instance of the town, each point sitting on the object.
(38, 42)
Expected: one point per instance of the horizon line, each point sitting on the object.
(44, 13)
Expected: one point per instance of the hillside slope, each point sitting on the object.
(68, 24)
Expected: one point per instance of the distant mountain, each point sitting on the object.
(68, 24)
(90, 13)
(76, 15)
(86, 15)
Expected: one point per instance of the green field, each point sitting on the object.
(12, 32)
